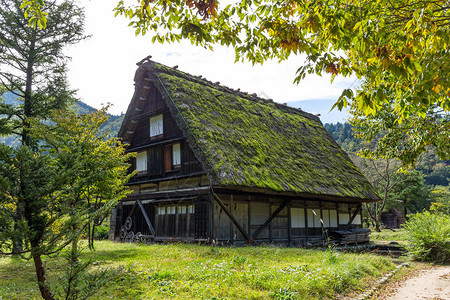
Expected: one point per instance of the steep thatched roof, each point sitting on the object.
(246, 141)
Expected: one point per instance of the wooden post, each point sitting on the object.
(306, 222)
(337, 215)
(289, 224)
(211, 219)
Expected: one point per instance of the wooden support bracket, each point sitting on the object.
(233, 219)
(147, 219)
(358, 209)
(273, 216)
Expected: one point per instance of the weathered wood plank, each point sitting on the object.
(267, 222)
(230, 215)
(147, 219)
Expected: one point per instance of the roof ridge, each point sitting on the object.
(201, 80)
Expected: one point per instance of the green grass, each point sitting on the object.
(387, 235)
(181, 271)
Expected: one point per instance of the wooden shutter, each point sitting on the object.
(167, 157)
(156, 160)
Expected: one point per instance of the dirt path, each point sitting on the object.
(433, 284)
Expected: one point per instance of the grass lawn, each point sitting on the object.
(387, 235)
(184, 271)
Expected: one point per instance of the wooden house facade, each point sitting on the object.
(216, 164)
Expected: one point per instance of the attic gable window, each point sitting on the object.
(141, 162)
(156, 125)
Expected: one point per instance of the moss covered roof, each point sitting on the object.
(246, 141)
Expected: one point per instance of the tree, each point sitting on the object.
(400, 46)
(411, 193)
(440, 199)
(404, 140)
(55, 186)
(382, 174)
(32, 64)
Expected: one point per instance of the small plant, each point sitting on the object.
(429, 237)
(283, 293)
(331, 254)
(79, 281)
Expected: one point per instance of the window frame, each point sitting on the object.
(142, 155)
(156, 126)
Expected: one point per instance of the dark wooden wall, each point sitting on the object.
(253, 211)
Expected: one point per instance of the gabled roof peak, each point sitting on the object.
(160, 68)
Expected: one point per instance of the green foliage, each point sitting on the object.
(186, 271)
(79, 280)
(440, 199)
(411, 192)
(396, 46)
(404, 139)
(96, 166)
(435, 171)
(32, 64)
(428, 237)
(67, 185)
(101, 232)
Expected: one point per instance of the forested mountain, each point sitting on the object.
(111, 127)
(435, 171)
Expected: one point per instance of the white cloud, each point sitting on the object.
(103, 67)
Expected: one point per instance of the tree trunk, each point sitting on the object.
(40, 273)
(28, 91)
(377, 226)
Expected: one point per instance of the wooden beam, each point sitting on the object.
(358, 209)
(147, 219)
(230, 215)
(132, 210)
(273, 216)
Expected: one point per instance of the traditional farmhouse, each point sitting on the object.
(216, 164)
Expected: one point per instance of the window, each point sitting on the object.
(313, 218)
(172, 157)
(176, 154)
(297, 217)
(156, 125)
(170, 210)
(141, 162)
(161, 210)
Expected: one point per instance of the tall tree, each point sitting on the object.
(401, 46)
(33, 65)
(55, 185)
(32, 62)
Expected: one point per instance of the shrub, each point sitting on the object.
(428, 237)
(101, 232)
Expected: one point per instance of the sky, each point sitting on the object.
(102, 67)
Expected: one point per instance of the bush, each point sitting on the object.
(428, 237)
(101, 232)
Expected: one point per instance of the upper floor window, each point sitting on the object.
(141, 162)
(172, 157)
(176, 155)
(156, 125)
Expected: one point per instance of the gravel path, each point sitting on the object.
(431, 284)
